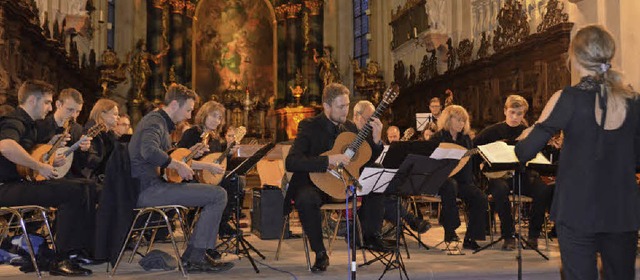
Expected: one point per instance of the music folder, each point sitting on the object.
(374, 179)
(501, 156)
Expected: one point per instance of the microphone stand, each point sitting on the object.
(351, 185)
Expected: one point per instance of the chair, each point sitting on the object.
(17, 221)
(154, 225)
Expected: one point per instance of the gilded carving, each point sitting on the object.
(401, 10)
(314, 6)
(190, 9)
(292, 10)
(280, 13)
(451, 56)
(465, 50)
(513, 26)
(329, 72)
(112, 72)
(158, 4)
(554, 15)
(177, 6)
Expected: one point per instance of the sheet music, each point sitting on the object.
(384, 153)
(500, 152)
(374, 179)
(441, 153)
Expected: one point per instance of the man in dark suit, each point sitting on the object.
(316, 135)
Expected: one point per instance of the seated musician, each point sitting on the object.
(123, 129)
(104, 111)
(416, 223)
(147, 151)
(514, 110)
(316, 135)
(17, 136)
(454, 128)
(209, 118)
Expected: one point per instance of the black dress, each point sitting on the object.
(596, 190)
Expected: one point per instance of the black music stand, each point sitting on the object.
(242, 246)
(416, 175)
(518, 169)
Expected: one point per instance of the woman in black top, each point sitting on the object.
(104, 111)
(596, 199)
(210, 118)
(453, 127)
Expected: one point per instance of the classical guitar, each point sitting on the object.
(206, 177)
(408, 133)
(465, 158)
(185, 155)
(355, 147)
(45, 153)
(67, 152)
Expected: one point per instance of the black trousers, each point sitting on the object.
(533, 187)
(578, 253)
(75, 217)
(476, 202)
(308, 200)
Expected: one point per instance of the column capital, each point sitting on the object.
(314, 6)
(158, 4)
(190, 9)
(177, 6)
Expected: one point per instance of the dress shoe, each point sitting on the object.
(532, 243)
(68, 269)
(207, 266)
(213, 254)
(226, 230)
(509, 244)
(470, 244)
(378, 244)
(450, 236)
(419, 225)
(322, 262)
(81, 257)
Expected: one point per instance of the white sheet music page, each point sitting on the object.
(443, 153)
(384, 153)
(374, 179)
(500, 152)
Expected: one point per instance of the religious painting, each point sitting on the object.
(234, 46)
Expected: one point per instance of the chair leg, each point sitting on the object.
(124, 246)
(173, 242)
(359, 225)
(305, 241)
(25, 235)
(284, 227)
(335, 231)
(146, 224)
(48, 226)
(152, 239)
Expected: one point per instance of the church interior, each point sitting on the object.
(268, 61)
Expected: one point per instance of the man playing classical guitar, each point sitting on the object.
(315, 136)
(18, 135)
(147, 151)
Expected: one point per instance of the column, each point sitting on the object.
(315, 21)
(155, 44)
(176, 53)
(190, 11)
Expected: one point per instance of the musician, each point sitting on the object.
(454, 128)
(123, 127)
(435, 107)
(393, 134)
(105, 111)
(316, 135)
(596, 201)
(68, 107)
(147, 151)
(17, 136)
(209, 118)
(514, 110)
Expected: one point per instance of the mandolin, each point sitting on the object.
(355, 147)
(45, 153)
(206, 177)
(67, 152)
(185, 155)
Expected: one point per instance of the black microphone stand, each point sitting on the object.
(351, 184)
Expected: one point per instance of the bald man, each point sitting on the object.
(393, 134)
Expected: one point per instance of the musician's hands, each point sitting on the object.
(200, 149)
(335, 160)
(376, 130)
(46, 170)
(86, 143)
(183, 169)
(59, 160)
(212, 167)
(67, 138)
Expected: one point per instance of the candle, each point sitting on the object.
(101, 16)
(415, 32)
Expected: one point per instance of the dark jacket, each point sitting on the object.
(115, 211)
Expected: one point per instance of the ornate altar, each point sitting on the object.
(287, 120)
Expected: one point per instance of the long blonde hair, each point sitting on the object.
(102, 106)
(444, 121)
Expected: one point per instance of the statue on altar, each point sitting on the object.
(112, 71)
(140, 68)
(329, 72)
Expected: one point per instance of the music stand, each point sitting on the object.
(238, 237)
(517, 183)
(416, 175)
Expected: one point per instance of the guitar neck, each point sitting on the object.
(366, 130)
(224, 154)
